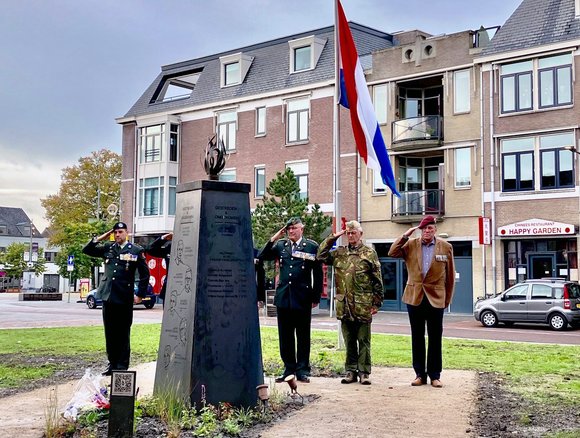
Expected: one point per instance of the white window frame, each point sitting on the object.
(260, 121)
(381, 102)
(143, 189)
(171, 195)
(301, 114)
(316, 46)
(259, 169)
(300, 169)
(244, 62)
(227, 128)
(379, 188)
(459, 167)
(460, 107)
(228, 175)
(155, 153)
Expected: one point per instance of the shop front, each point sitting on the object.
(537, 248)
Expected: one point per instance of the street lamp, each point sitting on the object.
(29, 223)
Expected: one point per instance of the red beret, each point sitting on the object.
(427, 220)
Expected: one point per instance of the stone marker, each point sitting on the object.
(210, 348)
(121, 412)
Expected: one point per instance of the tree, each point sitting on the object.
(86, 190)
(76, 237)
(79, 210)
(283, 202)
(14, 263)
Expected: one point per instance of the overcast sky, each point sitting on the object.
(68, 68)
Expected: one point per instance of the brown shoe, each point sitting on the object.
(436, 383)
(349, 378)
(364, 379)
(418, 381)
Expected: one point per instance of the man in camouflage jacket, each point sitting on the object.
(359, 294)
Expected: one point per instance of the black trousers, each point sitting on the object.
(117, 319)
(418, 316)
(294, 338)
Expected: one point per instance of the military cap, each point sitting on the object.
(293, 221)
(120, 226)
(427, 220)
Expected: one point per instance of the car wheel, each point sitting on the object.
(91, 303)
(488, 319)
(557, 321)
(149, 304)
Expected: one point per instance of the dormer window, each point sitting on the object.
(176, 87)
(232, 73)
(234, 69)
(304, 53)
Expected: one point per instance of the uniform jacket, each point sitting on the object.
(439, 282)
(300, 274)
(162, 249)
(357, 273)
(120, 267)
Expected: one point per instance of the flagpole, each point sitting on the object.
(336, 158)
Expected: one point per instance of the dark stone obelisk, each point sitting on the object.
(210, 348)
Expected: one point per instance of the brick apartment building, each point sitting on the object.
(530, 114)
(271, 103)
(427, 94)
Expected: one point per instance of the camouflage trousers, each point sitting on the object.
(357, 339)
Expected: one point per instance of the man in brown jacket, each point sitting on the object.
(428, 292)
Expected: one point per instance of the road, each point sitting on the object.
(27, 314)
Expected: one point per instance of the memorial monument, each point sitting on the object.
(210, 350)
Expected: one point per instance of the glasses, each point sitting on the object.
(351, 233)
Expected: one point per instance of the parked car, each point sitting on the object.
(93, 300)
(552, 301)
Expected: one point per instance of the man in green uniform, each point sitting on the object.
(298, 290)
(122, 259)
(359, 294)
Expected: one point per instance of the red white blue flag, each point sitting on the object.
(354, 95)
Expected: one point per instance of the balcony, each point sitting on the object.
(417, 132)
(415, 204)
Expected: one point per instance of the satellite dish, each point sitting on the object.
(112, 209)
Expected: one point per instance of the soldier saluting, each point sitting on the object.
(122, 259)
(298, 290)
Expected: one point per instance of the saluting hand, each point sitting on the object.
(168, 236)
(410, 231)
(104, 236)
(340, 233)
(279, 234)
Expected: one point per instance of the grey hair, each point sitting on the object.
(354, 225)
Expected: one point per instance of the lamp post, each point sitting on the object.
(29, 223)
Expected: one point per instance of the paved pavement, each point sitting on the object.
(26, 314)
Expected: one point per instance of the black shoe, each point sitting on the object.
(303, 378)
(108, 371)
(282, 378)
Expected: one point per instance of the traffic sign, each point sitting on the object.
(70, 263)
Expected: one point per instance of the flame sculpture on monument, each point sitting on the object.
(215, 157)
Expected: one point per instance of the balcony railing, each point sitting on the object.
(419, 203)
(417, 128)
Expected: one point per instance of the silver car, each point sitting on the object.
(548, 301)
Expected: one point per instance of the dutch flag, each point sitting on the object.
(354, 95)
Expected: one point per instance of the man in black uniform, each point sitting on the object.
(161, 247)
(122, 259)
(298, 290)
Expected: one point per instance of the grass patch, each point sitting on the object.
(553, 368)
